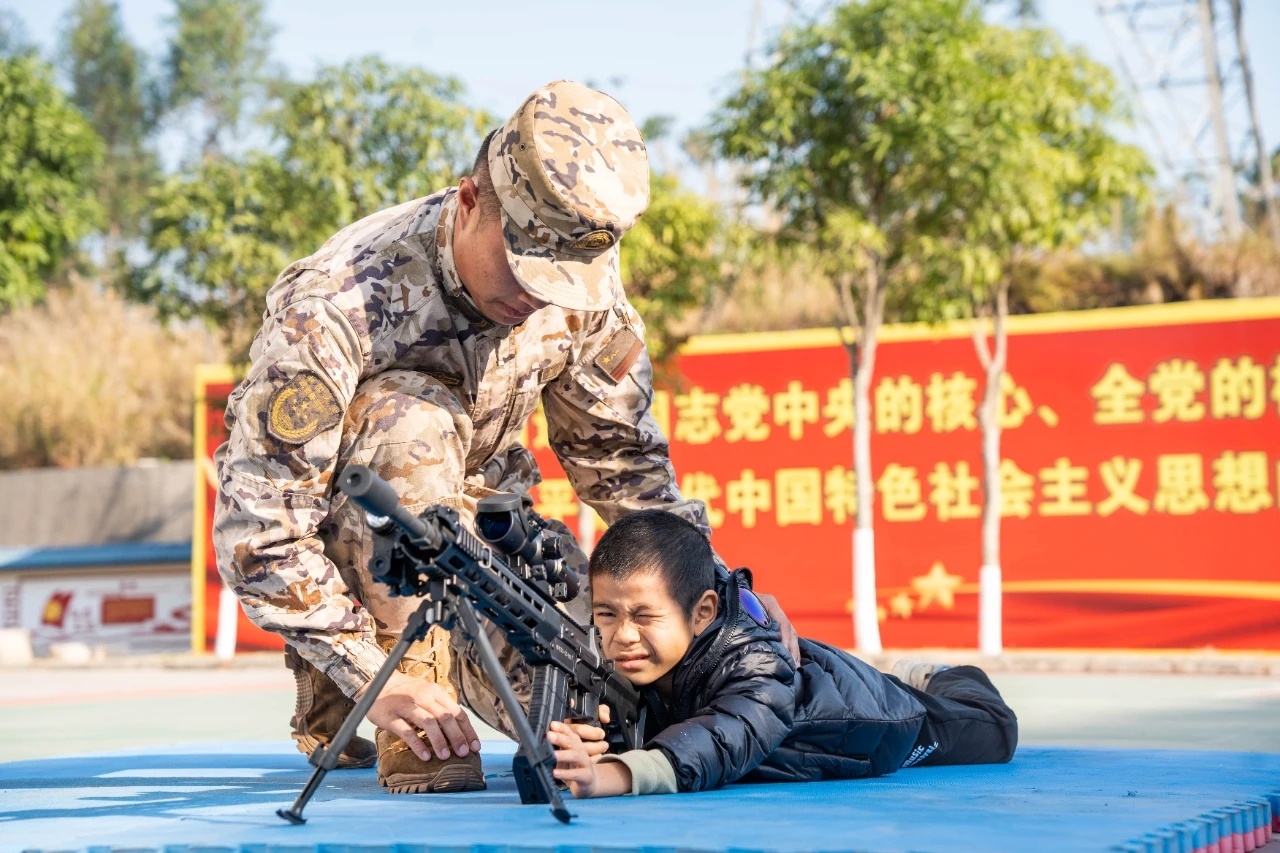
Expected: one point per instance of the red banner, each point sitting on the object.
(1140, 468)
(1140, 472)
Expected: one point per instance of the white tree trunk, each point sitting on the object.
(866, 623)
(586, 528)
(224, 642)
(990, 597)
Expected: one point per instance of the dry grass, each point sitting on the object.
(87, 379)
(1165, 265)
(778, 293)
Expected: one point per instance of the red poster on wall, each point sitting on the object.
(1140, 475)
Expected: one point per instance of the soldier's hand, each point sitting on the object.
(408, 706)
(789, 637)
(592, 737)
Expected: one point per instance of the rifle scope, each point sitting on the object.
(510, 526)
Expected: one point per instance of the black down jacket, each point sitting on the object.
(741, 711)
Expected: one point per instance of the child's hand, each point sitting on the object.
(575, 765)
(592, 737)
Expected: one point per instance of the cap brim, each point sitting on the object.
(577, 282)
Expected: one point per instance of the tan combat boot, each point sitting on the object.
(321, 707)
(399, 770)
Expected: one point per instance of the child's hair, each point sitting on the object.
(654, 540)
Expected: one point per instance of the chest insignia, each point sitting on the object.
(302, 409)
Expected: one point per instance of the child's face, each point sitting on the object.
(645, 631)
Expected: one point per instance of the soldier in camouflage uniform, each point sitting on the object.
(418, 341)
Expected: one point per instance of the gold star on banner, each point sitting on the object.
(901, 605)
(937, 586)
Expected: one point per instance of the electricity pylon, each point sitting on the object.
(1187, 62)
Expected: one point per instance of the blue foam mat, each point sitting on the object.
(223, 796)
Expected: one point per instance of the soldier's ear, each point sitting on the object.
(704, 612)
(468, 201)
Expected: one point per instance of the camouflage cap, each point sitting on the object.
(572, 174)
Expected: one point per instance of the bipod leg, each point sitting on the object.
(541, 756)
(325, 758)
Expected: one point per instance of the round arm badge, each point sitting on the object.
(301, 409)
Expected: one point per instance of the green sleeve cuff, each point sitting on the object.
(651, 772)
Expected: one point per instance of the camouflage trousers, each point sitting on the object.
(408, 427)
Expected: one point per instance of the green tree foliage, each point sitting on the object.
(863, 137)
(913, 145)
(672, 261)
(219, 234)
(108, 84)
(217, 63)
(48, 155)
(359, 138)
(1057, 174)
(368, 135)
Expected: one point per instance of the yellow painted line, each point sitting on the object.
(205, 375)
(1197, 652)
(198, 531)
(1257, 590)
(1175, 314)
(211, 374)
(1261, 590)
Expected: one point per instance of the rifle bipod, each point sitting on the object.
(439, 609)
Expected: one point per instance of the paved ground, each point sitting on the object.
(48, 711)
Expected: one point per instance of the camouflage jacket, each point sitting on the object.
(384, 294)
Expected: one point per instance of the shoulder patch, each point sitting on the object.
(620, 353)
(302, 409)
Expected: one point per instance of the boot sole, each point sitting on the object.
(448, 780)
(307, 744)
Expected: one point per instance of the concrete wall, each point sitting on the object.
(47, 507)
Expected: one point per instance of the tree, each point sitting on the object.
(368, 135)
(1054, 179)
(217, 62)
(48, 154)
(869, 134)
(671, 261)
(357, 139)
(219, 234)
(107, 77)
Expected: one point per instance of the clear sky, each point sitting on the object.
(659, 57)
